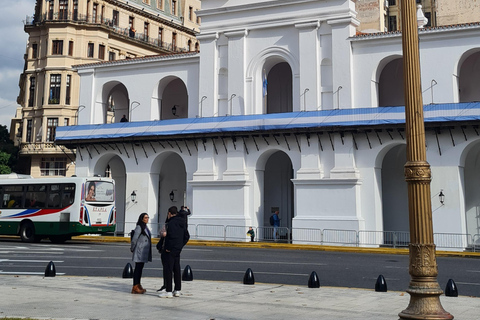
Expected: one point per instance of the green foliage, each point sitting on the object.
(8, 152)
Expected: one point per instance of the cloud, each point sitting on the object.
(13, 41)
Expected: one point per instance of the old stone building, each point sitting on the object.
(63, 33)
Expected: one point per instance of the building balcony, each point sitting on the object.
(125, 33)
(30, 148)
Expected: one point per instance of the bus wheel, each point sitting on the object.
(27, 232)
(59, 239)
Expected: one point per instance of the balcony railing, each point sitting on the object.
(107, 23)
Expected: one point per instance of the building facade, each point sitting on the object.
(384, 15)
(285, 108)
(63, 33)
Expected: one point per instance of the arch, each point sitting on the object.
(115, 101)
(275, 173)
(169, 176)
(170, 98)
(394, 189)
(261, 65)
(115, 166)
(389, 76)
(279, 89)
(469, 76)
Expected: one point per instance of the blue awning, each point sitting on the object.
(324, 119)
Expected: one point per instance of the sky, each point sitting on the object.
(13, 42)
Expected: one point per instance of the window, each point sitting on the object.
(392, 23)
(67, 89)
(174, 7)
(70, 48)
(94, 13)
(28, 137)
(52, 124)
(197, 47)
(101, 52)
(63, 9)
(53, 166)
(174, 41)
(57, 47)
(66, 122)
(50, 10)
(90, 50)
(115, 18)
(160, 4)
(428, 15)
(31, 92)
(146, 1)
(190, 13)
(145, 31)
(198, 20)
(111, 56)
(55, 82)
(189, 45)
(392, 2)
(34, 51)
(160, 36)
(131, 31)
(75, 10)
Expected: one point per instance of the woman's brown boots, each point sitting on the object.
(138, 289)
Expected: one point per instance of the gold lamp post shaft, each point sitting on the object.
(423, 289)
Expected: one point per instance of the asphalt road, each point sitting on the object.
(338, 269)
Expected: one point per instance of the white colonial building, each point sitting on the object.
(286, 108)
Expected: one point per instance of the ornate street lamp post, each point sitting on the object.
(423, 289)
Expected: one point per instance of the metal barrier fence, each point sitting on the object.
(364, 238)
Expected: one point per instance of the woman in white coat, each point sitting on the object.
(141, 247)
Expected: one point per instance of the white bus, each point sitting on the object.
(56, 208)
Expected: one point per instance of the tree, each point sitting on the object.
(8, 152)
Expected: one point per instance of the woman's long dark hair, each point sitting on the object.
(140, 222)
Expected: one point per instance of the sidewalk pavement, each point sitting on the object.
(66, 297)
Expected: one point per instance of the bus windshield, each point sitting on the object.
(99, 191)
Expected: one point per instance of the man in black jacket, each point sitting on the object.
(176, 237)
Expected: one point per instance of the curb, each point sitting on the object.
(286, 246)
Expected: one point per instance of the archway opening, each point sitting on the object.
(390, 86)
(278, 193)
(174, 99)
(112, 166)
(279, 89)
(116, 104)
(394, 191)
(172, 185)
(469, 79)
(472, 192)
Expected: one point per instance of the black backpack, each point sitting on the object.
(132, 233)
(272, 221)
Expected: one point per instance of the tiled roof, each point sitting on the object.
(363, 35)
(157, 57)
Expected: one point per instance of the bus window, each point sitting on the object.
(54, 199)
(37, 195)
(68, 194)
(12, 197)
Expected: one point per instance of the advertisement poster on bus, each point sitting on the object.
(99, 191)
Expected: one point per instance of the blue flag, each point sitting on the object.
(264, 84)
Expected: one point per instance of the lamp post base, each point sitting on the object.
(424, 302)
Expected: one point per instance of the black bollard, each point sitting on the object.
(50, 270)
(381, 284)
(127, 271)
(187, 274)
(248, 278)
(451, 289)
(313, 281)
